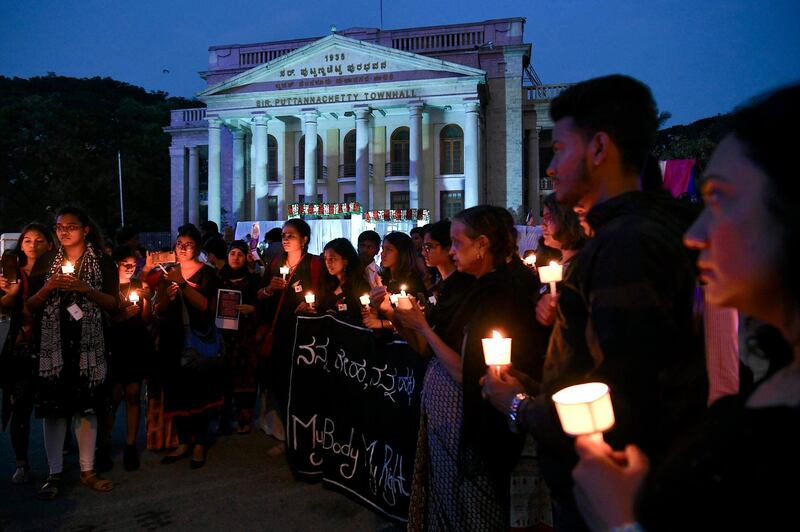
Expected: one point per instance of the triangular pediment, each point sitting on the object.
(337, 60)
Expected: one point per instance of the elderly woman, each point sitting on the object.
(186, 299)
(18, 368)
(465, 450)
(79, 289)
(738, 470)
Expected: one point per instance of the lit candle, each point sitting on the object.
(551, 274)
(530, 260)
(68, 268)
(404, 302)
(310, 298)
(393, 298)
(284, 271)
(403, 291)
(497, 351)
(364, 300)
(585, 409)
(134, 297)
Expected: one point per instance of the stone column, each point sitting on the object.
(471, 154)
(237, 177)
(260, 166)
(177, 156)
(214, 201)
(414, 153)
(362, 156)
(310, 177)
(194, 186)
(533, 171)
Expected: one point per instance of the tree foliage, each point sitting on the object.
(59, 147)
(694, 141)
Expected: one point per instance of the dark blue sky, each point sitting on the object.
(701, 57)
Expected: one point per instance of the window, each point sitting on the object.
(272, 159)
(302, 198)
(349, 155)
(349, 197)
(302, 158)
(451, 202)
(272, 208)
(398, 153)
(451, 150)
(399, 200)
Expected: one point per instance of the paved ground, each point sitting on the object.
(240, 488)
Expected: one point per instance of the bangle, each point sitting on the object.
(513, 412)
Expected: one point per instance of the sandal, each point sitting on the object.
(49, 489)
(91, 480)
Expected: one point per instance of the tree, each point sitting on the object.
(60, 143)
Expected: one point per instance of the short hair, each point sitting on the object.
(121, 253)
(273, 235)
(569, 232)
(417, 231)
(302, 227)
(370, 236)
(217, 246)
(493, 223)
(209, 226)
(439, 232)
(621, 106)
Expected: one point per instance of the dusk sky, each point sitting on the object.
(701, 57)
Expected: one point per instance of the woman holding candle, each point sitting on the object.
(739, 469)
(465, 451)
(18, 367)
(346, 281)
(279, 300)
(562, 231)
(398, 273)
(188, 290)
(240, 351)
(131, 351)
(73, 344)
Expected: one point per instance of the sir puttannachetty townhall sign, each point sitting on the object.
(436, 118)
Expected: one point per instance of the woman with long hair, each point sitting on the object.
(280, 298)
(78, 291)
(18, 369)
(738, 469)
(346, 281)
(188, 292)
(465, 450)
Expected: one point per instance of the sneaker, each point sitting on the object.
(130, 458)
(22, 475)
(102, 460)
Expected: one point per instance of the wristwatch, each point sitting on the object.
(513, 412)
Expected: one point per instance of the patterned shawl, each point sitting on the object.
(92, 362)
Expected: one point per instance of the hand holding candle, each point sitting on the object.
(310, 299)
(530, 260)
(402, 299)
(394, 298)
(364, 300)
(284, 270)
(134, 297)
(551, 274)
(585, 409)
(497, 351)
(68, 268)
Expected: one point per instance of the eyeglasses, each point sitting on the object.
(128, 266)
(58, 228)
(184, 245)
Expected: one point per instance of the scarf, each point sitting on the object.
(92, 360)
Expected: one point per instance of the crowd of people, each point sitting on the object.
(89, 328)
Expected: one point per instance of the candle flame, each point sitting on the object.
(553, 264)
(530, 260)
(496, 335)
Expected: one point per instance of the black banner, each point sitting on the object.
(353, 412)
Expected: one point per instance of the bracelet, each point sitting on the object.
(513, 412)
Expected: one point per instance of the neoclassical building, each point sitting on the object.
(436, 118)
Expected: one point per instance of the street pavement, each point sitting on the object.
(240, 488)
